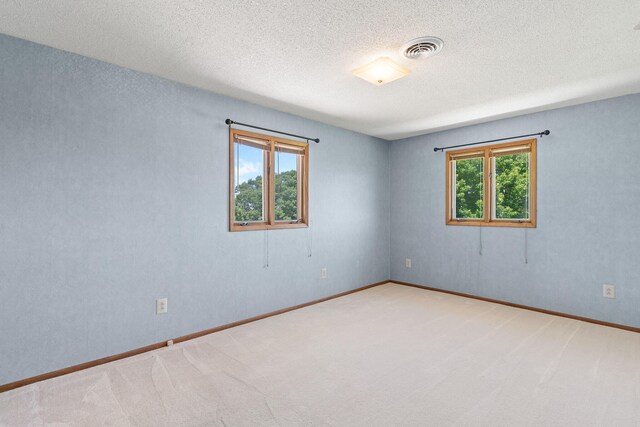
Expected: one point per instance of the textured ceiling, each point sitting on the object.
(501, 58)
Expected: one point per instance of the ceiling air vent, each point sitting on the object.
(422, 47)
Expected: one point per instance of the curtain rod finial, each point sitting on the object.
(546, 132)
(436, 149)
(229, 122)
(317, 140)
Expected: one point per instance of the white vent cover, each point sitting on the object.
(422, 47)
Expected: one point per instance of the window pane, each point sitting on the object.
(469, 189)
(512, 186)
(249, 183)
(287, 187)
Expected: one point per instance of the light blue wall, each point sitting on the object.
(588, 215)
(113, 192)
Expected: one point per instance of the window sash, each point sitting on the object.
(299, 181)
(454, 190)
(236, 183)
(494, 188)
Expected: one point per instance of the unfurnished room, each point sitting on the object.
(320, 213)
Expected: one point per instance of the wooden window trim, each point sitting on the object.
(269, 196)
(487, 220)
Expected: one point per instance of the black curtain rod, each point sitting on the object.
(231, 122)
(541, 134)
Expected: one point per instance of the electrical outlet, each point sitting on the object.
(162, 305)
(608, 291)
(323, 273)
(407, 263)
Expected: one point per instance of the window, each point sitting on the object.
(493, 185)
(268, 182)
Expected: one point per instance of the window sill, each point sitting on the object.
(265, 226)
(514, 224)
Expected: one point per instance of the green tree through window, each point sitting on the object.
(249, 200)
(512, 186)
(470, 188)
(287, 196)
(248, 196)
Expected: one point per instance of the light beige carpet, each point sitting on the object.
(388, 356)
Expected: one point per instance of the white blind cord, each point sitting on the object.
(309, 240)
(526, 247)
(237, 167)
(265, 262)
(480, 249)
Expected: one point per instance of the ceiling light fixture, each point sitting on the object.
(381, 71)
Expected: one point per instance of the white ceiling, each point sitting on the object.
(501, 58)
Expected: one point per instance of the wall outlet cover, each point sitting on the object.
(162, 305)
(407, 263)
(608, 291)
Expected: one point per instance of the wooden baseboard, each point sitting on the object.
(97, 362)
(525, 307)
